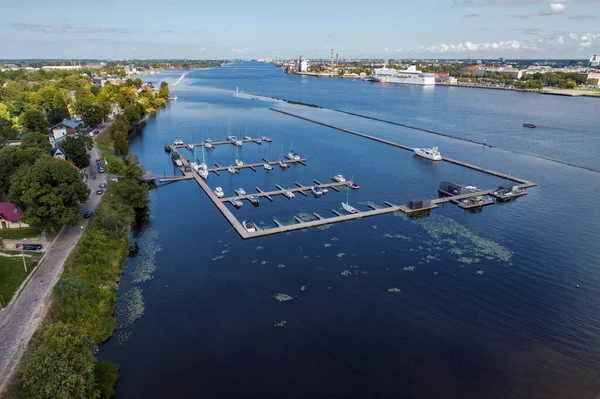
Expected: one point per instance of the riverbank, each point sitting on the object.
(554, 92)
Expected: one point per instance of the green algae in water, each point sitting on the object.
(394, 289)
(264, 262)
(326, 245)
(280, 323)
(259, 248)
(346, 273)
(479, 272)
(324, 227)
(283, 297)
(219, 257)
(303, 288)
(340, 254)
(130, 307)
(281, 265)
(335, 239)
(374, 227)
(409, 268)
(464, 259)
(145, 263)
(397, 236)
(224, 251)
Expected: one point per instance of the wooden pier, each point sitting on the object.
(252, 166)
(300, 189)
(257, 140)
(171, 179)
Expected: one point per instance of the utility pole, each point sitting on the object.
(23, 254)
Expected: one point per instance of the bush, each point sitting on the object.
(107, 377)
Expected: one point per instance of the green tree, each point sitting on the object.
(95, 90)
(107, 377)
(131, 192)
(34, 120)
(571, 84)
(12, 158)
(164, 91)
(7, 131)
(61, 367)
(36, 140)
(134, 114)
(138, 83)
(76, 150)
(59, 100)
(57, 115)
(93, 116)
(120, 134)
(50, 191)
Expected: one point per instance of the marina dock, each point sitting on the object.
(257, 140)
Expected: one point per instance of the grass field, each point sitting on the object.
(13, 274)
(29, 232)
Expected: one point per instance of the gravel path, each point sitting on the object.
(21, 321)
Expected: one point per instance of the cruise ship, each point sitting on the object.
(410, 76)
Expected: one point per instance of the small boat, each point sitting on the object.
(349, 208)
(267, 166)
(240, 191)
(354, 186)
(429, 153)
(168, 148)
(177, 142)
(208, 145)
(292, 156)
(178, 162)
(317, 192)
(237, 202)
(339, 178)
(249, 226)
(231, 138)
(208, 140)
(238, 142)
(203, 172)
(254, 200)
(219, 192)
(289, 194)
(247, 138)
(324, 190)
(529, 125)
(190, 147)
(231, 170)
(173, 98)
(239, 162)
(283, 165)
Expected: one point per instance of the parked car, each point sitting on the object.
(102, 185)
(88, 214)
(31, 247)
(101, 170)
(99, 191)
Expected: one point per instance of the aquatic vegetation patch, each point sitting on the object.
(394, 289)
(324, 227)
(464, 259)
(340, 254)
(259, 248)
(433, 257)
(397, 236)
(335, 239)
(145, 262)
(254, 260)
(130, 308)
(479, 272)
(303, 288)
(346, 273)
(264, 262)
(219, 257)
(281, 265)
(280, 323)
(224, 251)
(409, 268)
(456, 251)
(327, 245)
(374, 227)
(283, 297)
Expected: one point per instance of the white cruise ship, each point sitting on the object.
(411, 76)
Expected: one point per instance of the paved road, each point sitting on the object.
(20, 322)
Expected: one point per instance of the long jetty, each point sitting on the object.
(522, 182)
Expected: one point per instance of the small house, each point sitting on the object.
(10, 216)
(67, 126)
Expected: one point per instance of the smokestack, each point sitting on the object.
(336, 60)
(331, 57)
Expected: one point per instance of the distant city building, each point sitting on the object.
(67, 67)
(595, 60)
(302, 64)
(501, 59)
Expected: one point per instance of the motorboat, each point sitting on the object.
(430, 153)
(339, 178)
(317, 192)
(219, 192)
(289, 194)
(240, 191)
(237, 202)
(208, 145)
(190, 147)
(254, 200)
(247, 138)
(231, 138)
(349, 208)
(249, 226)
(238, 142)
(239, 162)
(324, 190)
(267, 166)
(292, 156)
(178, 142)
(283, 165)
(529, 125)
(231, 170)
(168, 148)
(354, 186)
(203, 172)
(178, 162)
(208, 140)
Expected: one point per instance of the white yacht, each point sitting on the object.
(430, 153)
(247, 138)
(190, 147)
(267, 166)
(410, 76)
(292, 156)
(231, 138)
(203, 172)
(238, 142)
(178, 142)
(283, 165)
(231, 170)
(239, 162)
(219, 192)
(209, 145)
(240, 191)
(349, 208)
(289, 194)
(317, 192)
(249, 226)
(339, 178)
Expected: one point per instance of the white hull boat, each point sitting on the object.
(339, 178)
(289, 194)
(231, 170)
(349, 208)
(178, 142)
(239, 162)
(429, 153)
(219, 192)
(267, 166)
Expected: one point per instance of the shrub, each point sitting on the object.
(107, 377)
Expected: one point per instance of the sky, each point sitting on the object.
(201, 29)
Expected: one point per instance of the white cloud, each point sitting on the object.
(554, 9)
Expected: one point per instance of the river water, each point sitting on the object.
(455, 305)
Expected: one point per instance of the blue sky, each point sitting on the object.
(268, 28)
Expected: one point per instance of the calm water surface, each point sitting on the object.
(456, 305)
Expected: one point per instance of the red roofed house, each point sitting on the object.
(9, 219)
